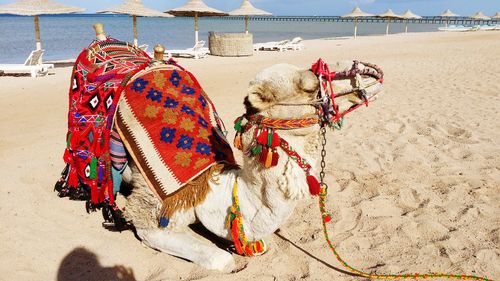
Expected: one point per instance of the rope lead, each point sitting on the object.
(326, 218)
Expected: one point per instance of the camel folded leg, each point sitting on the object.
(184, 245)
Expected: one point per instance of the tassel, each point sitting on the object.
(263, 156)
(269, 159)
(327, 218)
(237, 124)
(110, 192)
(94, 193)
(258, 247)
(237, 141)
(276, 140)
(276, 157)
(262, 138)
(73, 178)
(236, 237)
(257, 149)
(270, 135)
(314, 187)
(248, 251)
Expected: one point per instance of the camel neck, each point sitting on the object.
(269, 196)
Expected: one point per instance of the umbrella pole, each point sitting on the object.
(37, 33)
(387, 27)
(406, 27)
(196, 28)
(246, 24)
(136, 36)
(355, 28)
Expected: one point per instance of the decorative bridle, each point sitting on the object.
(266, 141)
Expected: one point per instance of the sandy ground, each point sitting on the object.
(417, 172)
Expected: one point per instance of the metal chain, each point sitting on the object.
(323, 154)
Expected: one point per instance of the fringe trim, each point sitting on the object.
(194, 192)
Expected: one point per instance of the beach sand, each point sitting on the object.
(414, 178)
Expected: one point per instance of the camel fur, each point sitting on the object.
(267, 196)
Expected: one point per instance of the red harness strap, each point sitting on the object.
(321, 69)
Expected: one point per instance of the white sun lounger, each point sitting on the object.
(32, 65)
(296, 44)
(272, 46)
(197, 51)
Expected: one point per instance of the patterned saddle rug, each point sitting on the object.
(170, 128)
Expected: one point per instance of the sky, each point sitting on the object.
(315, 7)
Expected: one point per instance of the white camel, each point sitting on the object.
(267, 196)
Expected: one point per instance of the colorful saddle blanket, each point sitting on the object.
(170, 128)
(100, 73)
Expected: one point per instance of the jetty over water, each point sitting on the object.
(423, 20)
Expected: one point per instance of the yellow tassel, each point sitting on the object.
(269, 158)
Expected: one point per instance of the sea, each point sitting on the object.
(64, 36)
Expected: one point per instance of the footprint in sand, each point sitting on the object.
(395, 126)
(459, 135)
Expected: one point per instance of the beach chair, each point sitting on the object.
(197, 51)
(296, 44)
(33, 65)
(272, 46)
(144, 47)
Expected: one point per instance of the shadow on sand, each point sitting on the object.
(81, 264)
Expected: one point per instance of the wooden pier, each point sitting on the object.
(424, 20)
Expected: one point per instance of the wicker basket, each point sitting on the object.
(230, 44)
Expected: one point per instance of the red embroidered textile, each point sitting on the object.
(98, 77)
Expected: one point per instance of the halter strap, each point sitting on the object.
(283, 124)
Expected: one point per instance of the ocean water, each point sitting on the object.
(64, 36)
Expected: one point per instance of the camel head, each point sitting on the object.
(283, 90)
(284, 94)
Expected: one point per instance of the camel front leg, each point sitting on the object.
(184, 245)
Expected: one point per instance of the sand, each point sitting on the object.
(414, 178)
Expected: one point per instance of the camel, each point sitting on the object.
(267, 196)
(288, 110)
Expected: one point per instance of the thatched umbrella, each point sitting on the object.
(480, 16)
(356, 13)
(196, 8)
(389, 15)
(247, 9)
(36, 8)
(496, 16)
(135, 8)
(409, 15)
(448, 14)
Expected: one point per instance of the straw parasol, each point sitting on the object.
(480, 16)
(448, 14)
(389, 14)
(36, 8)
(496, 16)
(135, 8)
(356, 13)
(409, 15)
(247, 9)
(196, 8)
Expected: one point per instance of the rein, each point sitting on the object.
(266, 141)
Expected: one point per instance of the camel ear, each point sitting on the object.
(309, 83)
(260, 96)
